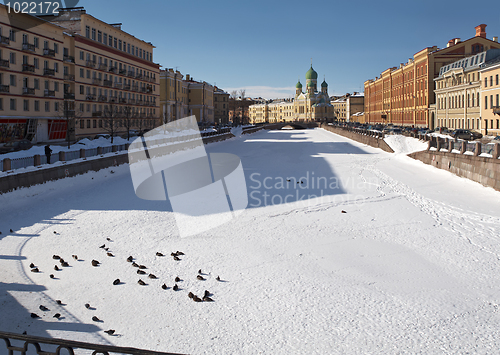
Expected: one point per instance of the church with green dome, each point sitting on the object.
(312, 105)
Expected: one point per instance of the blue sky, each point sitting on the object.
(265, 46)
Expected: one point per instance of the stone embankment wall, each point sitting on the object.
(370, 138)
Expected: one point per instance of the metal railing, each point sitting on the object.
(44, 345)
(20, 163)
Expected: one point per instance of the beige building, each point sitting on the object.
(347, 106)
(458, 92)
(490, 92)
(182, 97)
(73, 73)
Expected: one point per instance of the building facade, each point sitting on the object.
(403, 95)
(458, 92)
(347, 106)
(490, 91)
(75, 76)
(312, 105)
(221, 106)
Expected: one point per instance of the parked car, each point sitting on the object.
(106, 136)
(442, 130)
(466, 134)
(16, 145)
(497, 138)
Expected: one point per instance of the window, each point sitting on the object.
(12, 80)
(56, 67)
(35, 41)
(120, 44)
(93, 34)
(94, 124)
(37, 105)
(26, 105)
(56, 86)
(56, 48)
(56, 106)
(36, 63)
(88, 74)
(496, 79)
(12, 35)
(47, 106)
(486, 102)
(37, 84)
(128, 51)
(1, 103)
(105, 38)
(115, 42)
(133, 49)
(82, 73)
(82, 124)
(110, 41)
(82, 55)
(12, 58)
(99, 36)
(88, 123)
(497, 102)
(46, 85)
(87, 31)
(485, 82)
(491, 80)
(82, 89)
(491, 102)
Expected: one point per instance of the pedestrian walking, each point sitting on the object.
(48, 153)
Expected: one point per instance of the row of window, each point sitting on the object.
(104, 38)
(26, 82)
(99, 108)
(36, 40)
(126, 84)
(103, 93)
(491, 81)
(116, 66)
(457, 101)
(27, 105)
(497, 103)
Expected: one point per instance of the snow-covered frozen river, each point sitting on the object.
(372, 253)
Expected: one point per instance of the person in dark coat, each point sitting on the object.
(48, 152)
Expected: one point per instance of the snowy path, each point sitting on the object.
(412, 267)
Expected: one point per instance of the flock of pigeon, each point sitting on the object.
(140, 271)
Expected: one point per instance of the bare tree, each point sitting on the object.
(242, 105)
(110, 117)
(68, 113)
(127, 119)
(232, 100)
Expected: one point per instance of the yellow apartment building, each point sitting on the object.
(458, 92)
(72, 73)
(201, 100)
(173, 96)
(403, 95)
(490, 92)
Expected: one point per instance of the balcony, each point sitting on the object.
(49, 72)
(69, 113)
(29, 47)
(118, 85)
(90, 98)
(102, 66)
(90, 64)
(69, 59)
(69, 77)
(4, 40)
(126, 87)
(97, 114)
(4, 63)
(112, 69)
(97, 81)
(49, 52)
(28, 91)
(122, 100)
(123, 72)
(135, 87)
(28, 68)
(102, 98)
(69, 96)
(108, 83)
(131, 101)
(138, 76)
(131, 73)
(49, 93)
(143, 89)
(496, 110)
(112, 99)
(4, 88)
(139, 102)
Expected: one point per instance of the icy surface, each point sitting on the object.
(411, 267)
(404, 145)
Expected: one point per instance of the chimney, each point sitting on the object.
(457, 40)
(188, 77)
(480, 31)
(495, 39)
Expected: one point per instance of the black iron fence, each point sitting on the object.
(17, 343)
